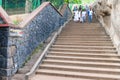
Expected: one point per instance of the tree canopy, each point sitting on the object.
(73, 1)
(78, 1)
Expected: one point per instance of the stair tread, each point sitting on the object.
(69, 49)
(83, 58)
(73, 42)
(83, 36)
(85, 62)
(80, 53)
(77, 43)
(85, 41)
(80, 68)
(83, 46)
(77, 46)
(90, 75)
(49, 77)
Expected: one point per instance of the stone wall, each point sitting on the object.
(66, 13)
(4, 57)
(108, 13)
(37, 27)
(6, 60)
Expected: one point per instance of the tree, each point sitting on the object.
(73, 1)
(15, 2)
(66, 1)
(28, 6)
(32, 4)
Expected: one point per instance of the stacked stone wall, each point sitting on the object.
(36, 28)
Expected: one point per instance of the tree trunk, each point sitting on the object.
(28, 7)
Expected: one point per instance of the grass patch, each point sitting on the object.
(38, 48)
(17, 20)
(35, 51)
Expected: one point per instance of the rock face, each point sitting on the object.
(108, 13)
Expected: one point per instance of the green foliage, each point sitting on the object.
(35, 3)
(36, 51)
(10, 4)
(73, 1)
(16, 22)
(87, 1)
(56, 3)
(15, 1)
(78, 1)
(38, 48)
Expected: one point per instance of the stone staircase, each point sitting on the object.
(81, 52)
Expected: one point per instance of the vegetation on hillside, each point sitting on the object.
(73, 1)
(78, 1)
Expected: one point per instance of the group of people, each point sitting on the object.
(80, 14)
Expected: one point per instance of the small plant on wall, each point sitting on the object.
(17, 20)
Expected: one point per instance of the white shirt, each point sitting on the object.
(91, 12)
(83, 13)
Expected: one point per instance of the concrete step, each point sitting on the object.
(85, 40)
(84, 47)
(85, 32)
(83, 64)
(83, 43)
(83, 36)
(81, 50)
(52, 77)
(105, 39)
(80, 58)
(75, 44)
(80, 28)
(91, 41)
(84, 54)
(82, 39)
(79, 74)
(80, 69)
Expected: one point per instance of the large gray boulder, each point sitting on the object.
(108, 14)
